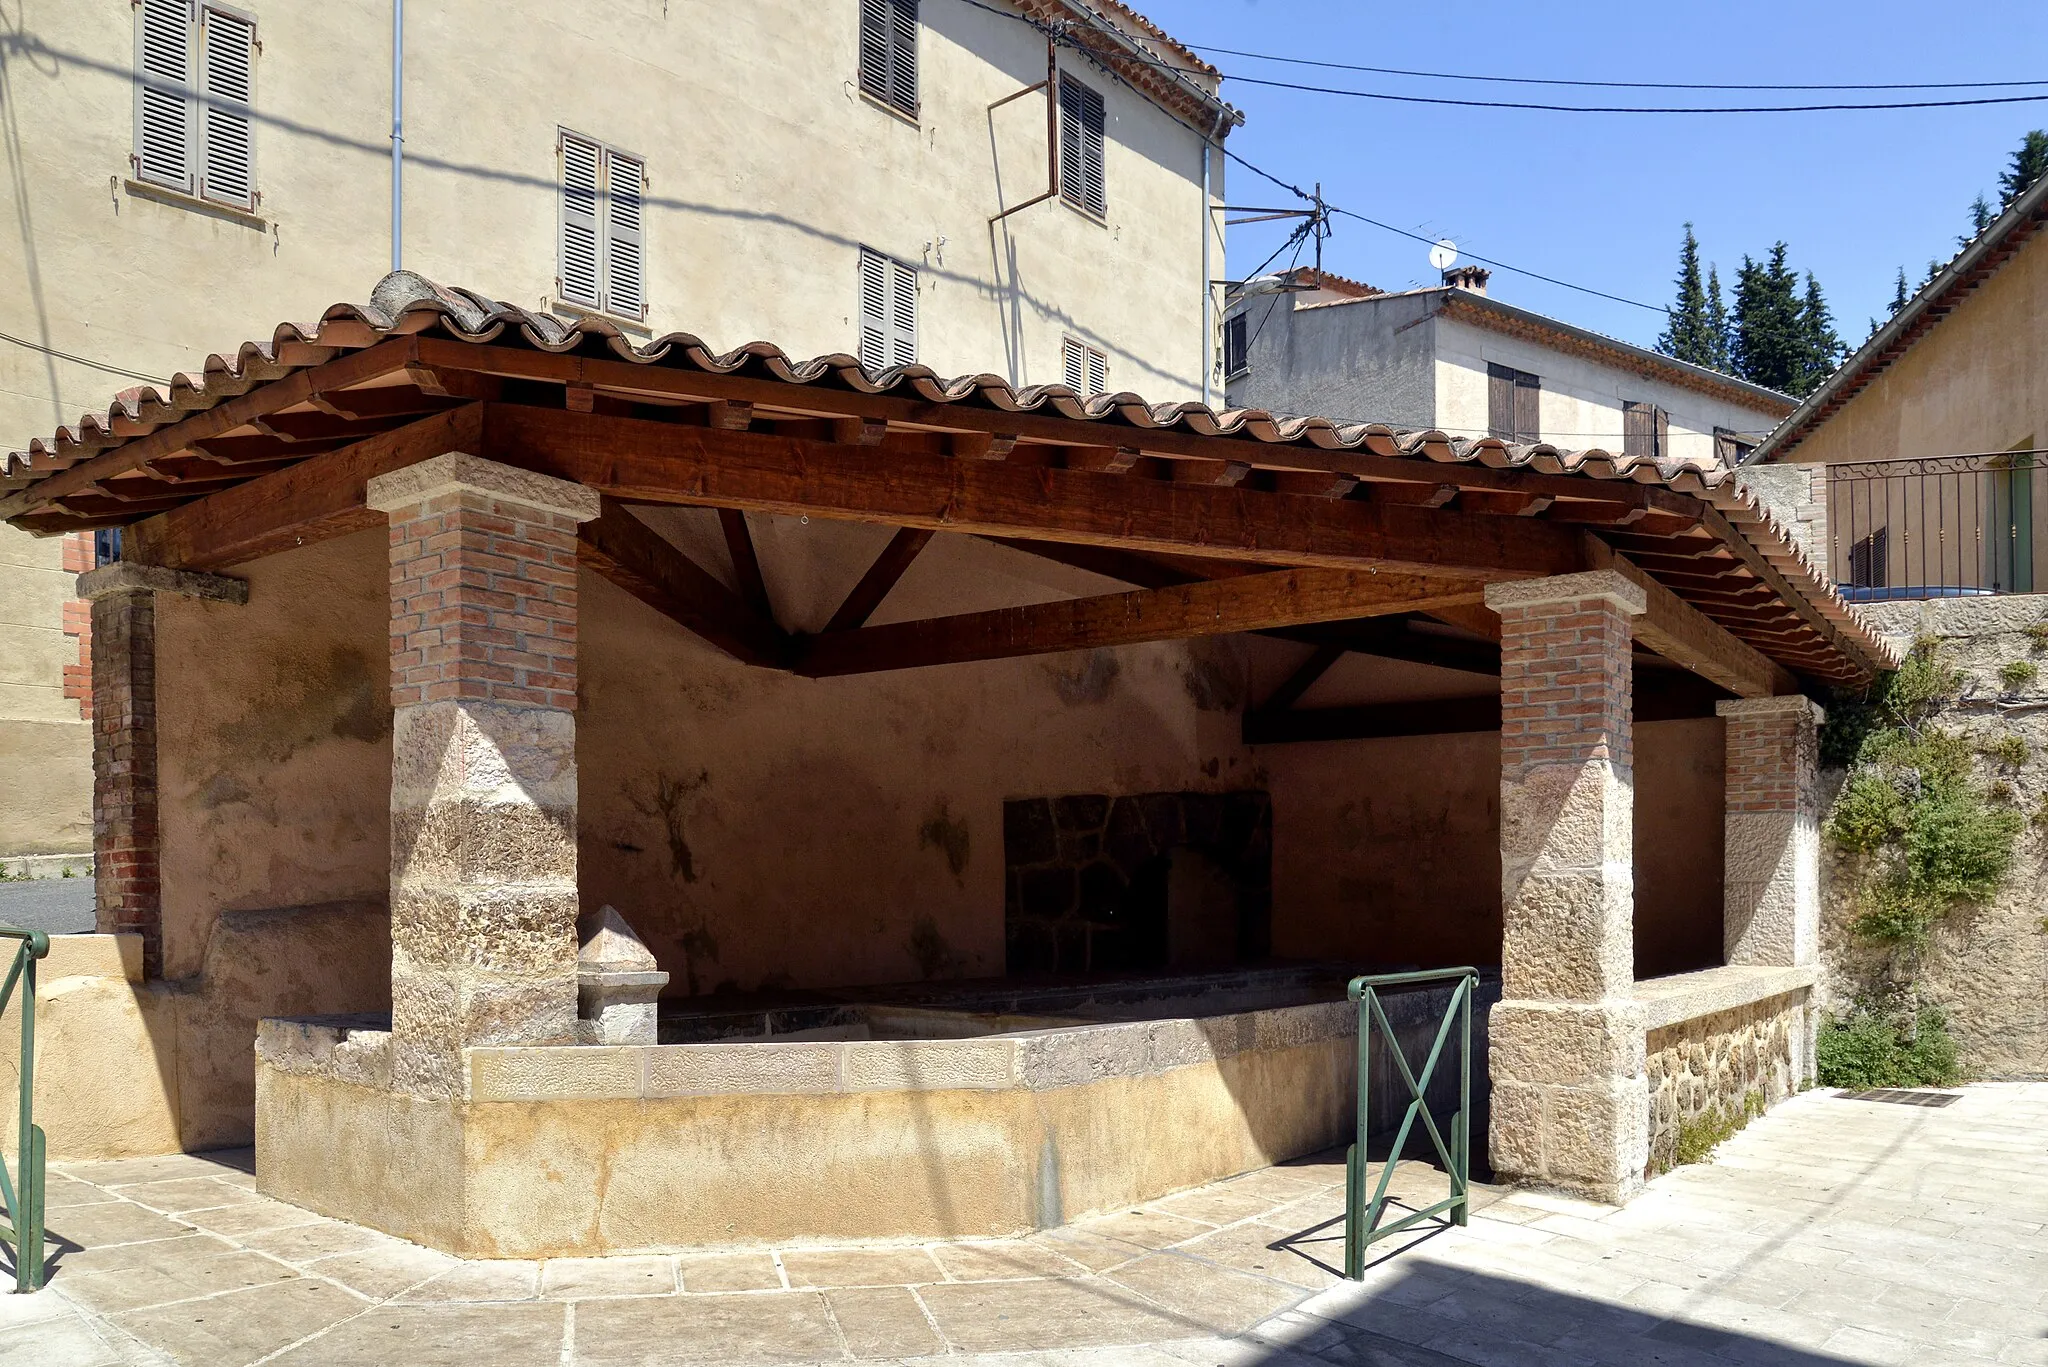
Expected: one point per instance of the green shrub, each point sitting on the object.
(2037, 635)
(2017, 674)
(1871, 1047)
(2009, 750)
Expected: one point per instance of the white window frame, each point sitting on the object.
(611, 229)
(198, 103)
(1089, 365)
(888, 337)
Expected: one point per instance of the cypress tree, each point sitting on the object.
(1902, 293)
(1769, 343)
(1717, 319)
(1981, 215)
(2029, 163)
(1688, 332)
(1823, 349)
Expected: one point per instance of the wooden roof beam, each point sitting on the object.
(1252, 602)
(639, 560)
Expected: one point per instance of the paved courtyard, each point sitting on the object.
(1830, 1231)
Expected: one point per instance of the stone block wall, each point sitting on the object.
(1797, 496)
(1087, 876)
(1715, 1064)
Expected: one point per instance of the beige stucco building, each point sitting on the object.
(180, 172)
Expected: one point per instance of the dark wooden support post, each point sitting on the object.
(746, 562)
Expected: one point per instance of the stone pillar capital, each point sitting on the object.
(129, 576)
(1793, 707)
(1610, 586)
(458, 472)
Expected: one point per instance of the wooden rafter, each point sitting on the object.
(881, 576)
(651, 462)
(639, 560)
(311, 501)
(1252, 602)
(746, 561)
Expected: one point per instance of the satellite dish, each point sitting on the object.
(1443, 254)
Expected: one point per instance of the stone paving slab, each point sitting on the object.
(1829, 1232)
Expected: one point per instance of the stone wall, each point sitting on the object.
(1095, 883)
(1986, 966)
(1717, 1063)
(1797, 496)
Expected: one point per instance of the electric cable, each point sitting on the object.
(81, 360)
(1612, 85)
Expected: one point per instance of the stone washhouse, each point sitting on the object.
(554, 795)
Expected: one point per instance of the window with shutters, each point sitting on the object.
(1087, 367)
(601, 257)
(888, 311)
(1514, 405)
(195, 94)
(1732, 448)
(888, 53)
(1081, 126)
(1645, 431)
(1237, 358)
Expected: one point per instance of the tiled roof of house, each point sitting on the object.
(1939, 297)
(1143, 55)
(405, 304)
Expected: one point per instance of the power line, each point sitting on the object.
(1626, 109)
(80, 360)
(1610, 85)
(1418, 237)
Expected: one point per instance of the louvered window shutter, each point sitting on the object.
(624, 291)
(164, 107)
(1663, 446)
(902, 314)
(874, 309)
(1500, 402)
(227, 146)
(1636, 430)
(578, 276)
(1528, 407)
(1081, 138)
(888, 52)
(1077, 366)
(1098, 372)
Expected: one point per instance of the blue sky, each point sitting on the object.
(1601, 199)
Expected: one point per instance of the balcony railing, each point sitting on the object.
(1940, 527)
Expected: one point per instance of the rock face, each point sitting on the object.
(1986, 966)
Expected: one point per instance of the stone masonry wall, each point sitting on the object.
(1987, 967)
(1716, 1063)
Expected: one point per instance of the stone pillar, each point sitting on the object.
(1770, 876)
(127, 878)
(1570, 1092)
(483, 761)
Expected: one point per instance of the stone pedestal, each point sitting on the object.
(126, 872)
(1771, 841)
(618, 986)
(1570, 1096)
(483, 764)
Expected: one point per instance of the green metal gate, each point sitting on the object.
(1362, 1213)
(24, 1194)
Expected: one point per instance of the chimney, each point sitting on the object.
(1471, 278)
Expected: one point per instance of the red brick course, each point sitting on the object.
(124, 798)
(1566, 684)
(1770, 756)
(78, 558)
(483, 603)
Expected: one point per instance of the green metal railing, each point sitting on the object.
(1362, 1227)
(24, 1195)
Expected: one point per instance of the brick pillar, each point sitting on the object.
(483, 764)
(127, 880)
(1570, 1094)
(1770, 874)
